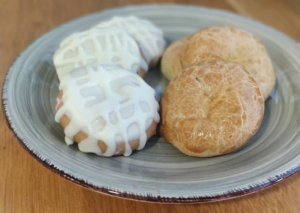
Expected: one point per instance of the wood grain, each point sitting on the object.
(27, 186)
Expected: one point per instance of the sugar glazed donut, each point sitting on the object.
(106, 109)
(211, 108)
(225, 43)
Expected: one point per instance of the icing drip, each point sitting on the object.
(110, 45)
(148, 36)
(68, 141)
(111, 105)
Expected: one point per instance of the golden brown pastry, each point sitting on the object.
(211, 108)
(171, 60)
(224, 43)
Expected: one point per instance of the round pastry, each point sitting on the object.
(171, 59)
(100, 45)
(146, 34)
(106, 109)
(233, 45)
(211, 108)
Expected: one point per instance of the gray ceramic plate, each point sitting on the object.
(159, 173)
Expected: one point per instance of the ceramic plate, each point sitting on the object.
(159, 173)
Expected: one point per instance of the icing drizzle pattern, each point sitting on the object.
(109, 104)
(109, 45)
(148, 36)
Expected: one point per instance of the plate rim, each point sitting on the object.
(129, 195)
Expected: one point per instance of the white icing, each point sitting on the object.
(109, 45)
(112, 105)
(147, 35)
(68, 141)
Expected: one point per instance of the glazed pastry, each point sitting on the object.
(229, 44)
(211, 108)
(106, 109)
(144, 32)
(106, 46)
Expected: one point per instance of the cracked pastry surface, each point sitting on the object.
(230, 44)
(211, 108)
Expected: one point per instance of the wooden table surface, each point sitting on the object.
(27, 186)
